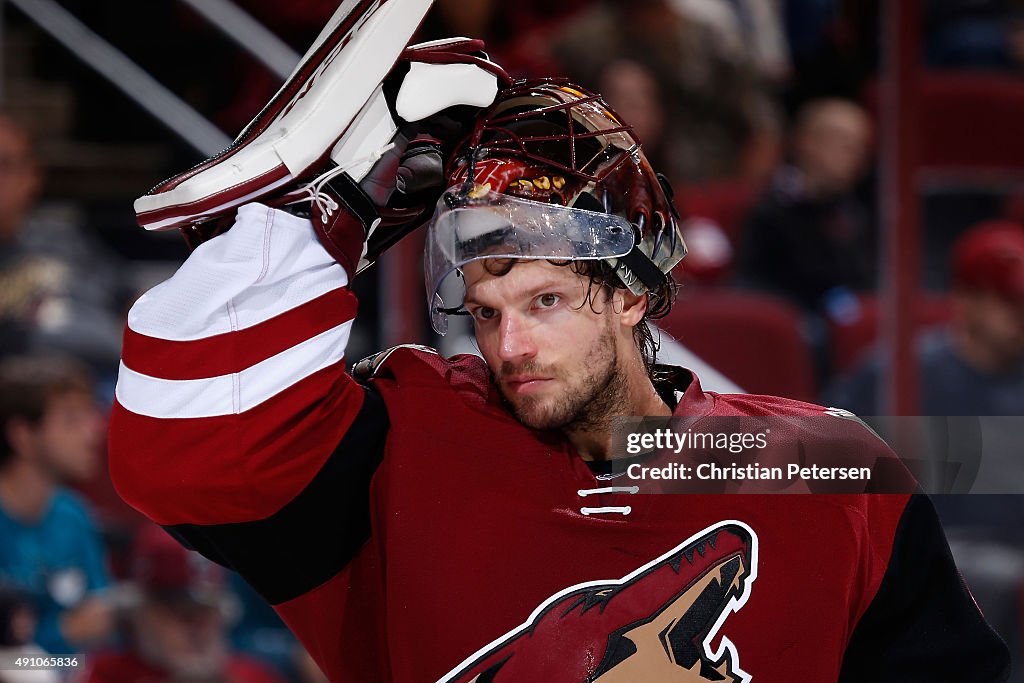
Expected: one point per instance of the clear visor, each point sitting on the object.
(482, 224)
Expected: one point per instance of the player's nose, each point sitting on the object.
(515, 341)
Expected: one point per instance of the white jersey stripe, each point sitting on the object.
(234, 393)
(268, 263)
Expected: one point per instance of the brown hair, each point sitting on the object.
(603, 276)
(28, 383)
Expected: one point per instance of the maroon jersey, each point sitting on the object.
(408, 528)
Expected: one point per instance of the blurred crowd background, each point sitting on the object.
(765, 114)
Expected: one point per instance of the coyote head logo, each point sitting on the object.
(654, 624)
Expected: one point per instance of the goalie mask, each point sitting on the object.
(550, 172)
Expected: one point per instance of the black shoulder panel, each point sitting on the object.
(923, 624)
(314, 536)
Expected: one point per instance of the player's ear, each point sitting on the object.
(633, 307)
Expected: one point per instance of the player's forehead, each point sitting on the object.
(506, 279)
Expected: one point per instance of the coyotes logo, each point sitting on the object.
(657, 623)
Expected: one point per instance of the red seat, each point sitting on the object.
(753, 339)
(727, 203)
(854, 336)
(970, 121)
(714, 215)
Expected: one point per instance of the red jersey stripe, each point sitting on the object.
(230, 352)
(236, 468)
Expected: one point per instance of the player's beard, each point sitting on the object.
(590, 399)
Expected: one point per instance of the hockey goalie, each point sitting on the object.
(422, 518)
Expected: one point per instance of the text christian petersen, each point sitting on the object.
(733, 442)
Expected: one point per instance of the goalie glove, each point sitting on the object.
(387, 186)
(331, 110)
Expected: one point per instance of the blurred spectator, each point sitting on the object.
(751, 29)
(176, 624)
(635, 94)
(58, 290)
(17, 627)
(716, 99)
(976, 365)
(51, 435)
(810, 237)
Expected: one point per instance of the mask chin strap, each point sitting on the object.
(639, 264)
(643, 268)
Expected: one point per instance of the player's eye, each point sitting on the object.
(484, 313)
(547, 300)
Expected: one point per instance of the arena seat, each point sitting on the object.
(755, 340)
(713, 219)
(990, 106)
(726, 202)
